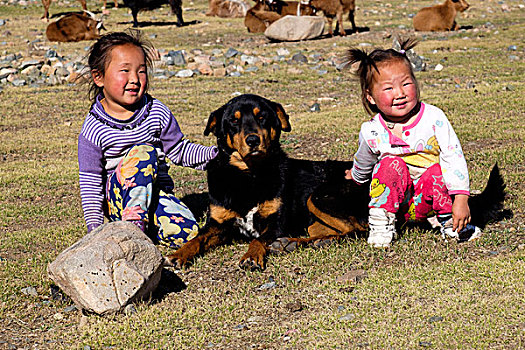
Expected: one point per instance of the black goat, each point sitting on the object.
(138, 5)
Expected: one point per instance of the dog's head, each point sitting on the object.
(248, 128)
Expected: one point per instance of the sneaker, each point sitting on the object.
(382, 226)
(467, 234)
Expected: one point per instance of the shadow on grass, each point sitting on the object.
(328, 36)
(143, 24)
(170, 282)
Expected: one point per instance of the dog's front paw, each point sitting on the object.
(252, 263)
(175, 260)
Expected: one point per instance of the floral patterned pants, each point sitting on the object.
(393, 189)
(132, 195)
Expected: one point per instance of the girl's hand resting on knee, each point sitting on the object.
(460, 212)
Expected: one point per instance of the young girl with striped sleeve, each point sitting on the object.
(124, 144)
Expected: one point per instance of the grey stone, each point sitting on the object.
(177, 57)
(294, 28)
(347, 317)
(70, 308)
(249, 60)
(231, 53)
(315, 107)
(5, 72)
(31, 71)
(29, 291)
(26, 64)
(185, 73)
(19, 82)
(512, 48)
(108, 268)
(299, 57)
(268, 285)
(282, 51)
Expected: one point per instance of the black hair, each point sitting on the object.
(99, 55)
(368, 64)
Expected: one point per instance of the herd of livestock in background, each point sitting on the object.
(86, 26)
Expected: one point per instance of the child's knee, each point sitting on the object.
(390, 167)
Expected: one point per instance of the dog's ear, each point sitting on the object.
(283, 117)
(213, 121)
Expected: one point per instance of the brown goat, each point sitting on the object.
(47, 3)
(336, 9)
(264, 13)
(440, 17)
(74, 27)
(227, 8)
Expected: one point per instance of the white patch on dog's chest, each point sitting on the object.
(245, 224)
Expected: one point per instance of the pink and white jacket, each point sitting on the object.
(430, 139)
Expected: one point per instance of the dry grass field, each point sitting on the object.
(421, 293)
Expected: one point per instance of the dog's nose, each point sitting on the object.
(253, 141)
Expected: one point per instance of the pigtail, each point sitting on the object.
(356, 55)
(407, 44)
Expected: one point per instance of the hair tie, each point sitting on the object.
(402, 51)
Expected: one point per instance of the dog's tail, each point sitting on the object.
(488, 205)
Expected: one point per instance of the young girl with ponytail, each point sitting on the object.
(409, 150)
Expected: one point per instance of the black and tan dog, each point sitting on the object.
(257, 192)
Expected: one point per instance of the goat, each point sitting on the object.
(104, 7)
(440, 17)
(336, 8)
(227, 8)
(138, 5)
(74, 27)
(264, 13)
(47, 3)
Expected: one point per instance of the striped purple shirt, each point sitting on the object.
(104, 140)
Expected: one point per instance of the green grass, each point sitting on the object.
(421, 293)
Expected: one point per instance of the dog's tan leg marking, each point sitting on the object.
(221, 214)
(253, 259)
(327, 229)
(206, 240)
(269, 207)
(318, 230)
(341, 225)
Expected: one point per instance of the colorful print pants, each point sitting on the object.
(132, 195)
(393, 189)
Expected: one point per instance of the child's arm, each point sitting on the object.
(91, 182)
(460, 212)
(181, 151)
(364, 161)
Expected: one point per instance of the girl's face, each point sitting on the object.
(393, 90)
(124, 81)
